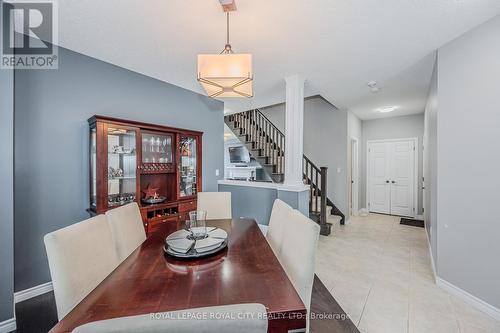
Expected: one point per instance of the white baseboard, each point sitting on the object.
(460, 293)
(32, 292)
(8, 325)
(469, 299)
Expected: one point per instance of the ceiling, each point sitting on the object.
(337, 45)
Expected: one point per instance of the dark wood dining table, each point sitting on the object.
(149, 281)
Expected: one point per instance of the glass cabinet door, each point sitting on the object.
(188, 175)
(122, 165)
(156, 148)
(93, 167)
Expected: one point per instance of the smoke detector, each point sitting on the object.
(373, 86)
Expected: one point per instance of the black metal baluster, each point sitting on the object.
(316, 192)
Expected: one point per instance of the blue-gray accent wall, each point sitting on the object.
(51, 142)
(6, 193)
(257, 202)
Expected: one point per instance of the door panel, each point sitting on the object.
(378, 169)
(391, 170)
(402, 177)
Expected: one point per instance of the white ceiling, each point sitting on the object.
(338, 45)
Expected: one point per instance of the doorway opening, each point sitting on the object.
(354, 176)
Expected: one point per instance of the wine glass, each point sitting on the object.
(152, 144)
(158, 144)
(164, 143)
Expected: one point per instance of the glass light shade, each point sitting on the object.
(226, 75)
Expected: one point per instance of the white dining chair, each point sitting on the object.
(127, 229)
(298, 253)
(216, 204)
(248, 318)
(280, 214)
(80, 257)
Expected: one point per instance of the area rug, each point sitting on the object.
(413, 223)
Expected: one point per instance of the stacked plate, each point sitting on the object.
(178, 244)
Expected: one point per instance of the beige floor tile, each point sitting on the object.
(380, 273)
(384, 317)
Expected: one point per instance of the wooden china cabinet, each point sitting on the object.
(133, 161)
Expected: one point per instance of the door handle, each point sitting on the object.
(387, 181)
(394, 182)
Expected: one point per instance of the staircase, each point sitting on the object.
(266, 143)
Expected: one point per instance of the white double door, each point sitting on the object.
(391, 177)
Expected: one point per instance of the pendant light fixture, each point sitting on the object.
(227, 74)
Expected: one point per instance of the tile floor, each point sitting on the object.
(380, 273)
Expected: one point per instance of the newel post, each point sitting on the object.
(325, 226)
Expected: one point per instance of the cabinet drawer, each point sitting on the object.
(187, 206)
(155, 224)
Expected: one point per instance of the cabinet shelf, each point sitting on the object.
(122, 178)
(122, 154)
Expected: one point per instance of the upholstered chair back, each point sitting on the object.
(298, 252)
(216, 204)
(126, 228)
(280, 216)
(80, 257)
(251, 318)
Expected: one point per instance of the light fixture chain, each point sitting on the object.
(227, 28)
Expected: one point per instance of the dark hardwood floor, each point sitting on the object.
(36, 315)
(39, 314)
(334, 319)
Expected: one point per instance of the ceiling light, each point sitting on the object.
(226, 74)
(387, 109)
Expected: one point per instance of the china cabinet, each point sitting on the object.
(158, 167)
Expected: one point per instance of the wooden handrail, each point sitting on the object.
(269, 141)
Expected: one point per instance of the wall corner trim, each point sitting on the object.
(469, 299)
(8, 325)
(433, 263)
(33, 292)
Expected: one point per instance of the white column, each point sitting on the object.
(294, 130)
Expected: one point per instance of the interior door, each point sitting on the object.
(402, 177)
(379, 177)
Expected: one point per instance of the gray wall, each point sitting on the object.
(468, 127)
(6, 193)
(430, 164)
(257, 202)
(51, 164)
(325, 142)
(392, 128)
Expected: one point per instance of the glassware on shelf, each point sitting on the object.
(122, 165)
(158, 149)
(188, 176)
(120, 199)
(158, 144)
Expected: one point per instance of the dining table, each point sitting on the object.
(151, 281)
